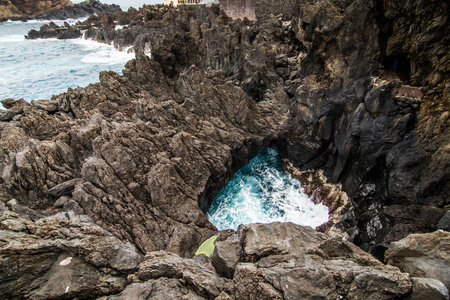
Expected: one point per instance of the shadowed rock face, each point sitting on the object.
(142, 155)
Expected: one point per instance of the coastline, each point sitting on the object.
(113, 180)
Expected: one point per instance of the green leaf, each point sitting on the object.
(207, 247)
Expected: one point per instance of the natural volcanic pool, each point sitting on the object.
(262, 192)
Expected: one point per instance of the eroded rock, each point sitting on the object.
(288, 261)
(423, 255)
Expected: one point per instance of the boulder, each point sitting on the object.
(284, 260)
(428, 288)
(64, 188)
(61, 255)
(444, 222)
(9, 114)
(422, 255)
(228, 253)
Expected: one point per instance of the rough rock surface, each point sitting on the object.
(46, 257)
(54, 31)
(288, 261)
(23, 9)
(142, 155)
(428, 288)
(52, 9)
(423, 255)
(79, 10)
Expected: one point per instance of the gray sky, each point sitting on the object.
(125, 4)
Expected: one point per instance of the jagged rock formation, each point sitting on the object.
(54, 31)
(23, 10)
(79, 10)
(142, 155)
(52, 9)
(287, 261)
(423, 255)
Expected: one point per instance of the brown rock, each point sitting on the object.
(288, 261)
(423, 255)
(427, 288)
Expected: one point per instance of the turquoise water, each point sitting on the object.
(262, 192)
(38, 69)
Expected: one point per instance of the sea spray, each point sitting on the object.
(262, 192)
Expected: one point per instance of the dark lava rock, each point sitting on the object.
(79, 10)
(145, 153)
(52, 30)
(20, 10)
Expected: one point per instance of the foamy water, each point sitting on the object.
(261, 192)
(38, 69)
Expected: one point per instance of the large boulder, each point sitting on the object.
(288, 261)
(423, 255)
(428, 288)
(63, 255)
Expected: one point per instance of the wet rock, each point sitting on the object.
(422, 255)
(427, 288)
(47, 31)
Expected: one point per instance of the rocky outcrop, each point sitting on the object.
(142, 155)
(23, 10)
(52, 9)
(423, 255)
(79, 10)
(46, 256)
(288, 261)
(54, 31)
(428, 288)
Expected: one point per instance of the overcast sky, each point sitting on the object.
(125, 4)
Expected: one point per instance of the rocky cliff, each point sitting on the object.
(135, 160)
(51, 9)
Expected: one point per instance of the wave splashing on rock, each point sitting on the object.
(263, 192)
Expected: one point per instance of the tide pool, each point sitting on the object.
(262, 192)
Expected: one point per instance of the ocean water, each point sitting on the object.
(262, 192)
(38, 69)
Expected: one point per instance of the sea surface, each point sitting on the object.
(38, 69)
(262, 192)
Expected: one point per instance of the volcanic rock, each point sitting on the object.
(52, 10)
(52, 31)
(62, 254)
(428, 288)
(23, 10)
(288, 261)
(423, 255)
(143, 154)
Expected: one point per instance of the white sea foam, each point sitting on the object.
(102, 53)
(262, 192)
(12, 38)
